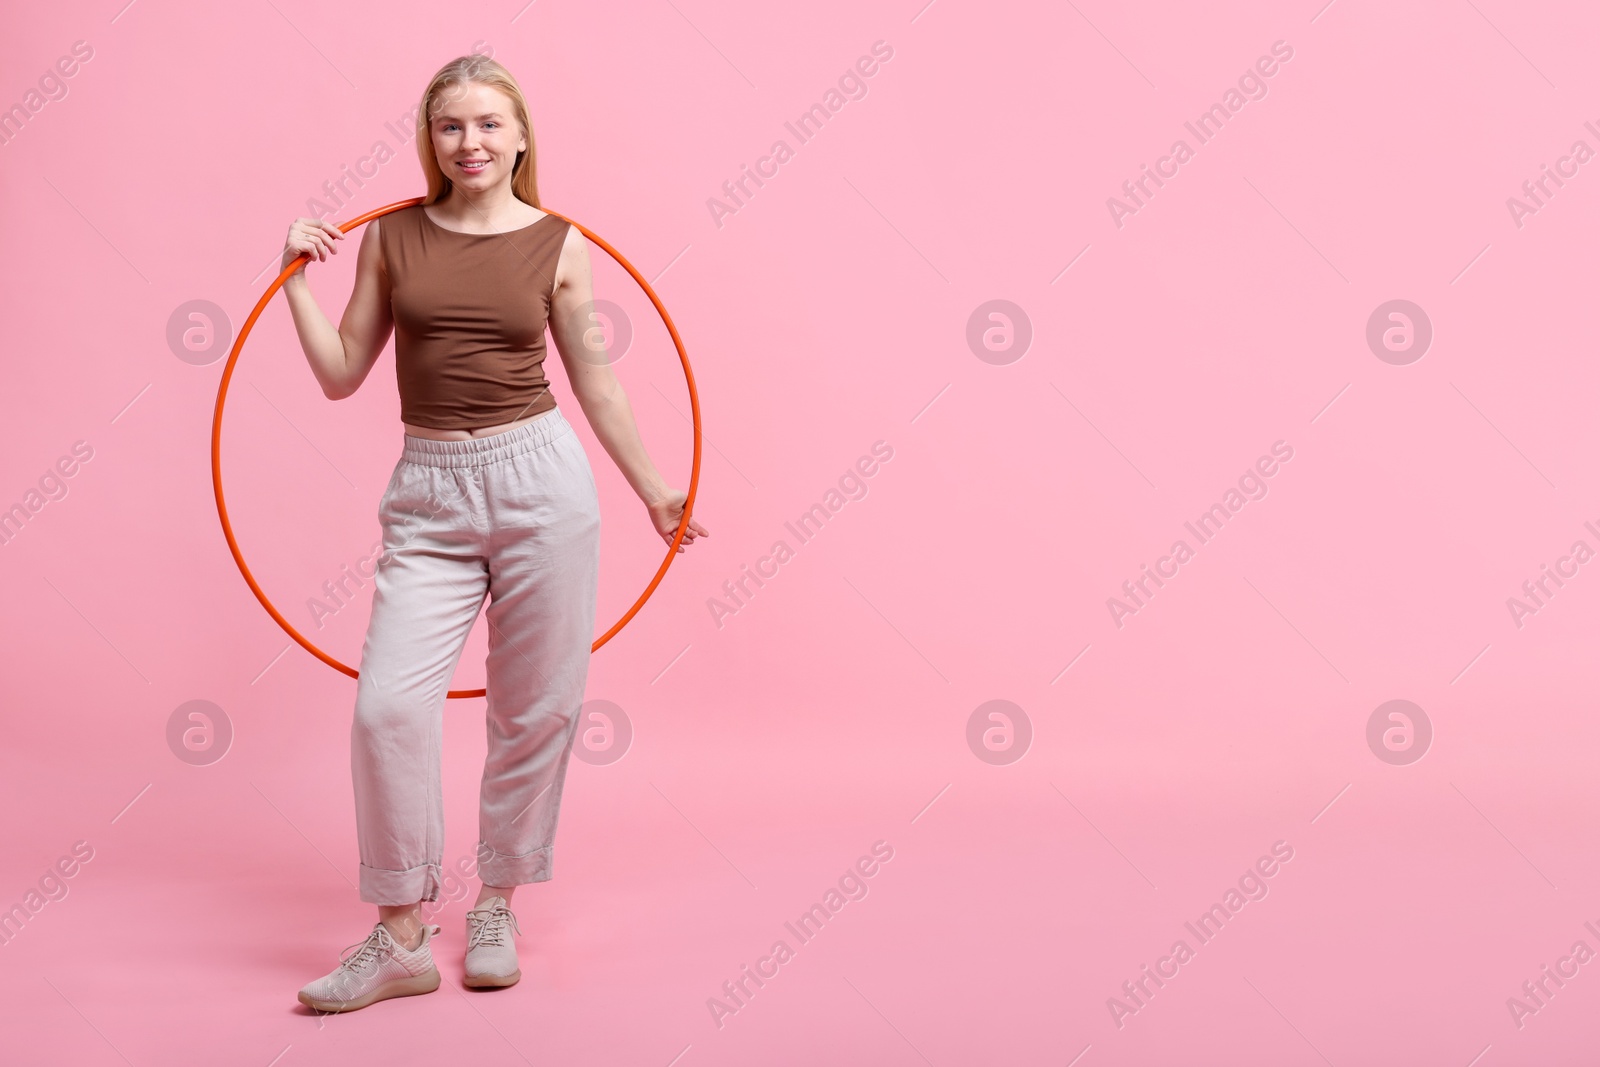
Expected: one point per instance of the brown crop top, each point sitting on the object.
(470, 311)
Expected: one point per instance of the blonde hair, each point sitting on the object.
(445, 86)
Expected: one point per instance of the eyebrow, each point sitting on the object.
(490, 115)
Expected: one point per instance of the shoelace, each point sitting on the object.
(489, 925)
(375, 944)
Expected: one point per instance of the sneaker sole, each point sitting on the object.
(491, 981)
(399, 987)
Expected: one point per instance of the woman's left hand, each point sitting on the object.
(667, 513)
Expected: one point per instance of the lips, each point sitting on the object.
(472, 166)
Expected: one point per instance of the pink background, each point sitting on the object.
(831, 712)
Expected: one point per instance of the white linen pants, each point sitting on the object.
(514, 516)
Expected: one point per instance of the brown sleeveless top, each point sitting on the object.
(470, 311)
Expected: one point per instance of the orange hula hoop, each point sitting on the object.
(222, 397)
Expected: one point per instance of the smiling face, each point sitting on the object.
(475, 135)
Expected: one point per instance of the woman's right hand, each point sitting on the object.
(310, 236)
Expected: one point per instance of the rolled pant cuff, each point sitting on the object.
(399, 888)
(496, 868)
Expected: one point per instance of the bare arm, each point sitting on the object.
(600, 394)
(340, 358)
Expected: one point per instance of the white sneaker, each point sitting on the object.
(491, 954)
(378, 970)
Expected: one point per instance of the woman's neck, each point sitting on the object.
(489, 208)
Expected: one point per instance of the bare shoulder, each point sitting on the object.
(371, 252)
(574, 244)
(573, 264)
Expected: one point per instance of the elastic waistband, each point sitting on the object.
(482, 451)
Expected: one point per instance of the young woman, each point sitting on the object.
(492, 495)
